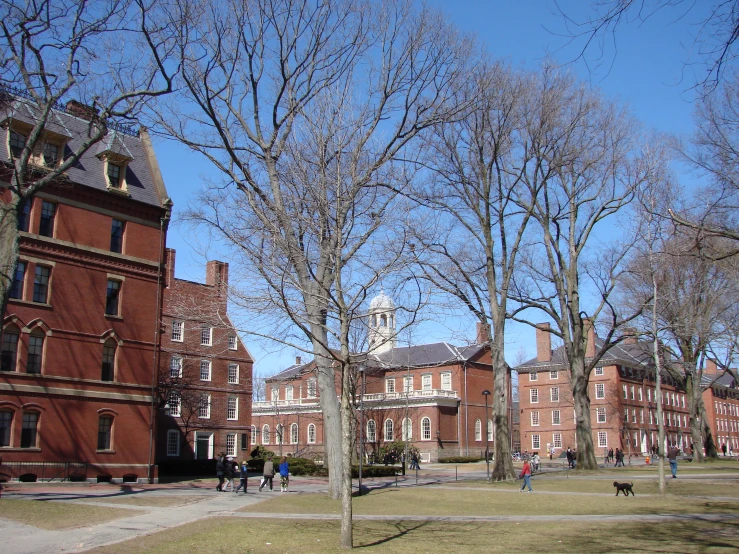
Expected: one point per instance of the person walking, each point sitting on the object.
(536, 461)
(268, 473)
(228, 472)
(723, 449)
(610, 454)
(672, 456)
(569, 457)
(284, 474)
(219, 473)
(526, 475)
(243, 477)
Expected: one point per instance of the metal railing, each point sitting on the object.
(44, 471)
(374, 397)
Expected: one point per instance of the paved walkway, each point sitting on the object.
(31, 540)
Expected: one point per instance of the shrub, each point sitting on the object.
(28, 478)
(375, 471)
(256, 464)
(460, 460)
(303, 466)
(188, 468)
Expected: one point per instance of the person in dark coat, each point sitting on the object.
(569, 457)
(220, 473)
(228, 470)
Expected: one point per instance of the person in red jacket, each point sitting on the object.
(526, 476)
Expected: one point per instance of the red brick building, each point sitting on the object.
(429, 394)
(721, 399)
(622, 399)
(205, 372)
(79, 334)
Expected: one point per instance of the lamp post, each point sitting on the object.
(361, 368)
(486, 393)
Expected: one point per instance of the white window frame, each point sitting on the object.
(533, 376)
(407, 427)
(602, 439)
(175, 367)
(557, 440)
(425, 428)
(553, 375)
(233, 374)
(641, 394)
(478, 430)
(556, 417)
(312, 388)
(265, 434)
(554, 394)
(371, 435)
(600, 391)
(390, 385)
(599, 370)
(174, 404)
(626, 392)
(289, 392)
(490, 430)
(173, 443)
(275, 394)
(232, 408)
(426, 381)
(535, 441)
(446, 380)
(178, 331)
(534, 396)
(407, 383)
(311, 433)
(535, 421)
(231, 444)
(233, 342)
(254, 434)
(388, 436)
(204, 406)
(206, 368)
(600, 415)
(279, 434)
(206, 336)
(294, 433)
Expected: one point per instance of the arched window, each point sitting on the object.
(407, 430)
(426, 429)
(371, 431)
(278, 434)
(490, 429)
(105, 432)
(311, 434)
(6, 425)
(478, 430)
(35, 351)
(265, 434)
(383, 320)
(108, 369)
(29, 431)
(9, 353)
(294, 433)
(388, 430)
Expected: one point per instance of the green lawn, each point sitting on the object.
(438, 501)
(154, 501)
(59, 515)
(238, 536)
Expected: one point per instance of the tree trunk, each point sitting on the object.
(583, 429)
(708, 443)
(9, 247)
(503, 468)
(695, 424)
(346, 448)
(331, 411)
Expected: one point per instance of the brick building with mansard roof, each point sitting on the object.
(429, 394)
(622, 399)
(78, 337)
(721, 399)
(205, 370)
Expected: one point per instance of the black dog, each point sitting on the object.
(625, 487)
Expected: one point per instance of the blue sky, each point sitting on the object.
(649, 69)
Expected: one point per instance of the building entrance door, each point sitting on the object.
(204, 446)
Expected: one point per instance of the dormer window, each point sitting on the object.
(51, 154)
(114, 175)
(17, 143)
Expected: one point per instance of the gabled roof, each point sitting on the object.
(635, 354)
(726, 380)
(88, 171)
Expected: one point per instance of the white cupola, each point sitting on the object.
(381, 324)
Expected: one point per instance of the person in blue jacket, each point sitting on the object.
(284, 474)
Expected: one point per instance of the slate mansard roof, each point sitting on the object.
(630, 355)
(142, 173)
(424, 355)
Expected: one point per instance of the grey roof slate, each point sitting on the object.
(88, 171)
(726, 380)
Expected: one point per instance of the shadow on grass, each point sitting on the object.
(402, 528)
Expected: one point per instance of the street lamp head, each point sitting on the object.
(486, 392)
(362, 368)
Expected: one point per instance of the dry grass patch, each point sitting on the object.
(59, 515)
(438, 501)
(233, 535)
(153, 501)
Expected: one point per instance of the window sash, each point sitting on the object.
(233, 374)
(233, 408)
(206, 336)
(446, 381)
(112, 297)
(233, 342)
(116, 236)
(556, 418)
(205, 369)
(426, 429)
(41, 284)
(173, 443)
(48, 214)
(177, 329)
(6, 424)
(108, 363)
(35, 354)
(114, 175)
(9, 355)
(426, 382)
(105, 431)
(51, 154)
(311, 434)
(231, 444)
(371, 431)
(600, 390)
(204, 406)
(29, 430)
(175, 367)
(17, 143)
(19, 277)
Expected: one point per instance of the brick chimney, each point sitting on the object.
(216, 275)
(543, 343)
(711, 367)
(81, 110)
(589, 329)
(169, 262)
(630, 335)
(298, 360)
(482, 333)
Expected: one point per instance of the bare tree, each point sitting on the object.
(111, 57)
(714, 44)
(303, 107)
(588, 166)
(480, 211)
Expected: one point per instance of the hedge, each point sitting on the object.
(375, 471)
(188, 468)
(460, 460)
